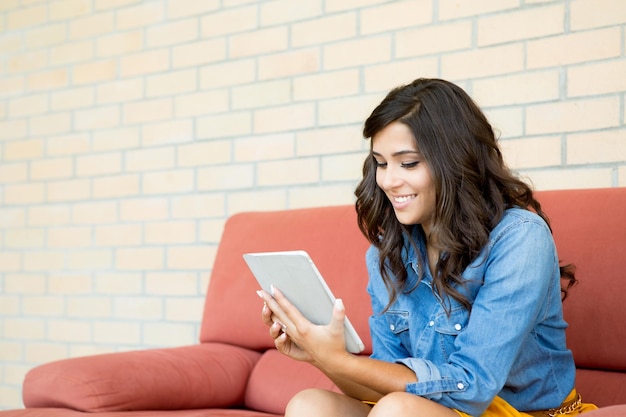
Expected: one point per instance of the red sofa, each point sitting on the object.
(234, 371)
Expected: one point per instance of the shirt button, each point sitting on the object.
(457, 326)
(392, 327)
(431, 324)
(460, 385)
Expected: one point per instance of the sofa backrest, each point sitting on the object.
(329, 234)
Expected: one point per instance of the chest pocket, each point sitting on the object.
(398, 322)
(447, 328)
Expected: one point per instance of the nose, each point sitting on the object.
(388, 178)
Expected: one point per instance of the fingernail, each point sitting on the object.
(272, 289)
(260, 294)
(339, 304)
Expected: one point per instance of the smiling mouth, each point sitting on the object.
(404, 198)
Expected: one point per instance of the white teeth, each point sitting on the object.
(403, 199)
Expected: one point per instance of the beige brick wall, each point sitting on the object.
(130, 130)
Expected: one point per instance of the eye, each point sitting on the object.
(409, 165)
(380, 164)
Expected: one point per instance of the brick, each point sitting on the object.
(69, 330)
(23, 329)
(68, 144)
(119, 43)
(175, 131)
(345, 167)
(321, 196)
(54, 168)
(67, 9)
(522, 153)
(97, 118)
(224, 125)
(116, 186)
(171, 83)
(333, 140)
(341, 111)
(139, 258)
(572, 116)
(24, 238)
(199, 53)
(574, 48)
(45, 36)
(28, 105)
(13, 129)
(68, 190)
(92, 307)
(596, 147)
(173, 335)
(226, 177)
(294, 171)
(286, 11)
(211, 230)
(138, 308)
(574, 178)
(24, 193)
(384, 77)
(145, 63)
(119, 283)
(92, 26)
(172, 284)
(22, 150)
(436, 39)
(324, 30)
(289, 63)
(27, 61)
(587, 14)
(95, 213)
(113, 4)
(170, 232)
(258, 42)
(144, 209)
(10, 262)
(94, 72)
(507, 122)
(240, 201)
(523, 24)
(191, 257)
(327, 85)
(25, 284)
(13, 172)
(596, 78)
(10, 351)
(357, 52)
(205, 102)
(184, 309)
(483, 62)
(454, 9)
(70, 53)
(168, 182)
(118, 235)
(284, 118)
(26, 17)
(98, 164)
(148, 111)
(228, 73)
(65, 284)
(12, 85)
(204, 153)
(9, 5)
(120, 91)
(43, 261)
(339, 5)
(51, 124)
(229, 21)
(114, 139)
(44, 352)
(198, 205)
(116, 333)
(261, 94)
(150, 159)
(72, 98)
(184, 8)
(266, 147)
(47, 215)
(69, 237)
(168, 34)
(47, 80)
(516, 89)
(142, 15)
(396, 16)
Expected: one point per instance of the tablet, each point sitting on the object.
(297, 277)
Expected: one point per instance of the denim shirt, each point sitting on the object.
(511, 345)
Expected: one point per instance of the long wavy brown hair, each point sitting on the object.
(473, 184)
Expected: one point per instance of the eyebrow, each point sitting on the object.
(399, 153)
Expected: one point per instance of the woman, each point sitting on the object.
(464, 278)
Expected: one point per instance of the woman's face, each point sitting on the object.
(404, 176)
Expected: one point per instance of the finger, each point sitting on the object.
(338, 318)
(291, 315)
(266, 314)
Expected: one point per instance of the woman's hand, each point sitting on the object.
(297, 337)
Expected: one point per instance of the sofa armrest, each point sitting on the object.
(208, 375)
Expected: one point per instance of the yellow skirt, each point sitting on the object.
(570, 407)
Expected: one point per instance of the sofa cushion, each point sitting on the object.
(276, 378)
(233, 311)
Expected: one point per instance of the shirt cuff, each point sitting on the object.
(429, 383)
